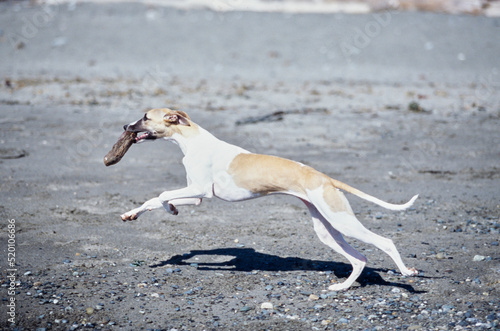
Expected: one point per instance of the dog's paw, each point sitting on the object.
(338, 287)
(172, 210)
(129, 216)
(410, 272)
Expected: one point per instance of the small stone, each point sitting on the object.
(89, 311)
(244, 309)
(27, 273)
(59, 41)
(440, 256)
(266, 305)
(313, 297)
(447, 308)
(479, 258)
(342, 320)
(236, 241)
(325, 322)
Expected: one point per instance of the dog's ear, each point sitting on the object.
(176, 119)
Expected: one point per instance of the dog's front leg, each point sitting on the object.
(172, 204)
(149, 205)
(188, 195)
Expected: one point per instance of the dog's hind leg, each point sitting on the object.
(334, 239)
(333, 205)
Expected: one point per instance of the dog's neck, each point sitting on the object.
(193, 139)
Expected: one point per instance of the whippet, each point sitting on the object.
(217, 168)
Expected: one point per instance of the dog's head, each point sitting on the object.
(159, 123)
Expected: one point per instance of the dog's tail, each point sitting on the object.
(362, 195)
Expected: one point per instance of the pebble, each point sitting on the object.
(447, 308)
(343, 320)
(478, 258)
(89, 310)
(266, 305)
(440, 256)
(244, 309)
(59, 41)
(313, 297)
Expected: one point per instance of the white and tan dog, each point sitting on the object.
(216, 168)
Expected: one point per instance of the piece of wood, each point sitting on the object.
(120, 148)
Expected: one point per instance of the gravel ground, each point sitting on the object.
(411, 112)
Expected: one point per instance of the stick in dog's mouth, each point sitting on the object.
(121, 147)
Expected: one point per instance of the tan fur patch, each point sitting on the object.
(264, 174)
(335, 199)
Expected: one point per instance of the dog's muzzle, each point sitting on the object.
(142, 134)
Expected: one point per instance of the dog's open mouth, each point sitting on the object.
(145, 136)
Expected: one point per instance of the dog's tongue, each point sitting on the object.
(142, 136)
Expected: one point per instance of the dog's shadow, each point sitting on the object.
(247, 259)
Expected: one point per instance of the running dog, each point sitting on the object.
(217, 168)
